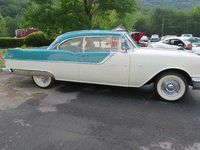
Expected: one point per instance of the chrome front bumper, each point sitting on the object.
(196, 83)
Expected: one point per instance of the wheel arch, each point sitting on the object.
(182, 72)
(41, 73)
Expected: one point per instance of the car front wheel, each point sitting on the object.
(171, 86)
(43, 81)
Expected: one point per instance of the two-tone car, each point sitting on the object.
(179, 43)
(109, 58)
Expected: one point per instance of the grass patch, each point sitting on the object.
(2, 54)
(25, 47)
(3, 51)
(1, 65)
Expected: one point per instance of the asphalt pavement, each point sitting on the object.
(75, 116)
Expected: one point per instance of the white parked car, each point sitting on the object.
(110, 58)
(154, 38)
(144, 38)
(180, 43)
(167, 36)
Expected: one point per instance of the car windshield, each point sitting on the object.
(129, 43)
(195, 42)
(165, 41)
(54, 44)
(186, 41)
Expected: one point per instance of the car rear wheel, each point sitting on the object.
(43, 81)
(171, 86)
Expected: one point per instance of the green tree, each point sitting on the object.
(140, 22)
(71, 15)
(180, 22)
(13, 24)
(3, 29)
(175, 4)
(11, 10)
(161, 20)
(12, 7)
(193, 22)
(105, 20)
(197, 8)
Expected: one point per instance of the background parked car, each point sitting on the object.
(167, 36)
(139, 38)
(186, 35)
(155, 38)
(188, 43)
(144, 39)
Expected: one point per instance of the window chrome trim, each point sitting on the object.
(135, 46)
(67, 40)
(110, 36)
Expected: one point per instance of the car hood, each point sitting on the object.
(137, 35)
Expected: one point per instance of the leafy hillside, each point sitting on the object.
(177, 4)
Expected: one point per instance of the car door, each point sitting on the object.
(102, 62)
(66, 59)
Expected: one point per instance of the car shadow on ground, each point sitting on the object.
(142, 94)
(105, 90)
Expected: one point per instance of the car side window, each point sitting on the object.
(73, 45)
(103, 43)
(176, 42)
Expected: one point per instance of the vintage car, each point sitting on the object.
(179, 43)
(89, 56)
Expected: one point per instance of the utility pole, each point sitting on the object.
(162, 25)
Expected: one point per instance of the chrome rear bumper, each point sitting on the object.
(27, 72)
(196, 83)
(6, 70)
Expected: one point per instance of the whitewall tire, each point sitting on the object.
(171, 86)
(43, 81)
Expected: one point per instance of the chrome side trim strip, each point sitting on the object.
(108, 57)
(32, 73)
(196, 79)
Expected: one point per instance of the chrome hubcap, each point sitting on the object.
(43, 79)
(170, 87)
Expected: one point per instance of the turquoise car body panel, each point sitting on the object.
(93, 57)
(49, 54)
(56, 55)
